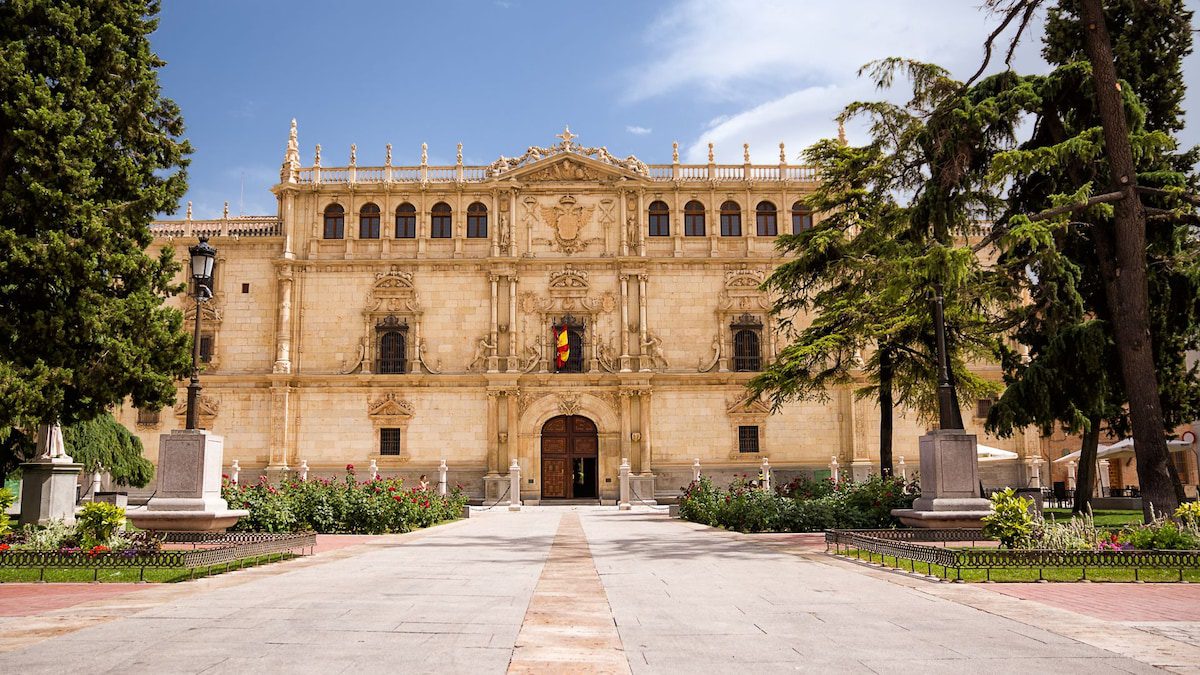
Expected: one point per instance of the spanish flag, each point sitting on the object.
(562, 347)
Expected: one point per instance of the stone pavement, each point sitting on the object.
(578, 589)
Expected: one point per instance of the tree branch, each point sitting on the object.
(1050, 213)
(1185, 196)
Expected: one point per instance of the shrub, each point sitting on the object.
(1010, 521)
(1162, 534)
(6, 500)
(1188, 514)
(98, 522)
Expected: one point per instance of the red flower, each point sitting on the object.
(97, 550)
(398, 498)
(349, 468)
(425, 504)
(4, 547)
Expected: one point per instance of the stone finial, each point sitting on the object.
(675, 152)
(458, 156)
(353, 154)
(226, 216)
(387, 159)
(424, 154)
(841, 133)
(710, 153)
(746, 152)
(293, 146)
(317, 159)
(782, 153)
(189, 211)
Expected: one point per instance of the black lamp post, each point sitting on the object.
(203, 257)
(948, 415)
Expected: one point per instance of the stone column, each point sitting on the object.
(627, 425)
(283, 334)
(514, 358)
(493, 459)
(643, 364)
(511, 430)
(625, 323)
(494, 330)
(281, 401)
(644, 415)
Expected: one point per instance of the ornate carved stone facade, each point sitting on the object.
(325, 342)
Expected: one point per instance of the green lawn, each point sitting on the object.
(1020, 574)
(131, 574)
(1104, 518)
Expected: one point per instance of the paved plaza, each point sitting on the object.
(584, 589)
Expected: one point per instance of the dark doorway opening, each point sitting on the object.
(570, 454)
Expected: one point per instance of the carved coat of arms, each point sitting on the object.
(568, 219)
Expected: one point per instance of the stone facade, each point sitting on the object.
(573, 236)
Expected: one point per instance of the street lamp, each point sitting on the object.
(948, 415)
(203, 257)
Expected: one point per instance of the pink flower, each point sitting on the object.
(349, 468)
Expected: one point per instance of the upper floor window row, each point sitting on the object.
(694, 225)
(440, 221)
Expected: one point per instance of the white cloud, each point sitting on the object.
(636, 130)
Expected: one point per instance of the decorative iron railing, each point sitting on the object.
(904, 546)
(208, 549)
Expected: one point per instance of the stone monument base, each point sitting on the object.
(48, 491)
(494, 487)
(949, 483)
(189, 486)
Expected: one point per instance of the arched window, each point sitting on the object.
(693, 219)
(802, 218)
(660, 219)
(368, 222)
(391, 352)
(477, 221)
(767, 219)
(335, 222)
(731, 219)
(439, 221)
(747, 356)
(406, 221)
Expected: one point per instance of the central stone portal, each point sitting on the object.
(570, 458)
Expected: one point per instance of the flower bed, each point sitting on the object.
(348, 505)
(799, 506)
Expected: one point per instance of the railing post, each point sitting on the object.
(766, 475)
(624, 504)
(304, 470)
(833, 469)
(442, 478)
(234, 471)
(903, 469)
(514, 486)
(696, 470)
(374, 470)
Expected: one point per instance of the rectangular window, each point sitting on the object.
(476, 227)
(731, 224)
(147, 417)
(748, 439)
(406, 227)
(767, 225)
(389, 441)
(801, 221)
(693, 225)
(660, 225)
(368, 227)
(440, 227)
(245, 288)
(983, 407)
(206, 348)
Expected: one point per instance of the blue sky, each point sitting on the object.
(502, 75)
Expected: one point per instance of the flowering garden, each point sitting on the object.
(803, 505)
(346, 505)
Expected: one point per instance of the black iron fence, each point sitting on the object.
(207, 549)
(906, 549)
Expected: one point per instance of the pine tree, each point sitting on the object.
(90, 152)
(103, 444)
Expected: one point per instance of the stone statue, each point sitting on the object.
(483, 349)
(652, 347)
(360, 361)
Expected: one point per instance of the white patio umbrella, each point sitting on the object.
(1123, 449)
(987, 453)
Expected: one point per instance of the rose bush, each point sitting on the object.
(348, 505)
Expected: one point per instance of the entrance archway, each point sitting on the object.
(570, 450)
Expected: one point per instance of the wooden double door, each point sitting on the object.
(570, 453)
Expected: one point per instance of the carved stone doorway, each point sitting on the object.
(570, 454)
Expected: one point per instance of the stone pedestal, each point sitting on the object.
(949, 483)
(48, 490)
(861, 470)
(642, 487)
(189, 486)
(494, 487)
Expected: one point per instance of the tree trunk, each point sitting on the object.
(1085, 478)
(1126, 289)
(886, 373)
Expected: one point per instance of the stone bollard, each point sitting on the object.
(1070, 475)
(96, 483)
(624, 504)
(234, 471)
(1036, 471)
(903, 469)
(696, 470)
(766, 475)
(833, 469)
(442, 478)
(304, 470)
(374, 470)
(514, 488)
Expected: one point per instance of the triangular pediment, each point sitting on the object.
(569, 167)
(746, 405)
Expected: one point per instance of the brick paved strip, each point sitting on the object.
(569, 626)
(1115, 601)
